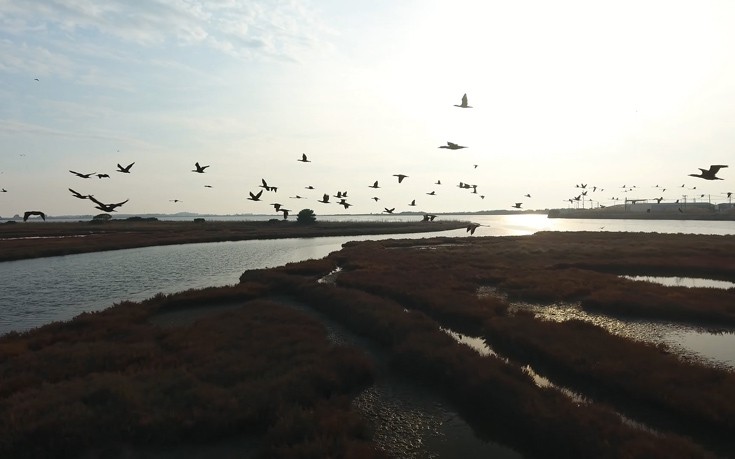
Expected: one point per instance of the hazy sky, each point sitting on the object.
(567, 92)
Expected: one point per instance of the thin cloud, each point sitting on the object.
(244, 29)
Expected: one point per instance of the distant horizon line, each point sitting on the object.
(195, 214)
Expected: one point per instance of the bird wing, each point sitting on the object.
(464, 100)
(96, 201)
(714, 168)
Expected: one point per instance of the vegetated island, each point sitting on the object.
(251, 369)
(33, 240)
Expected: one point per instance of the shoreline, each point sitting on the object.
(20, 242)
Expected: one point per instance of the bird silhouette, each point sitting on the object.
(102, 176)
(175, 200)
(78, 174)
(400, 177)
(431, 193)
(374, 185)
(709, 174)
(126, 169)
(255, 197)
(527, 195)
(199, 169)
(390, 211)
(658, 200)
(79, 195)
(438, 182)
(276, 206)
(452, 146)
(517, 205)
(268, 188)
(106, 207)
(472, 227)
(296, 197)
(344, 204)
(303, 158)
(413, 203)
(325, 199)
(29, 213)
(464, 102)
(285, 212)
(207, 186)
(309, 187)
(375, 198)
(428, 218)
(3, 190)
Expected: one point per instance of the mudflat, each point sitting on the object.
(33, 240)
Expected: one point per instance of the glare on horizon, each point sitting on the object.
(563, 93)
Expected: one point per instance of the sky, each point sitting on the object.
(608, 94)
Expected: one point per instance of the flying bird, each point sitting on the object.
(28, 213)
(285, 212)
(276, 206)
(517, 205)
(82, 175)
(267, 188)
(199, 169)
(438, 182)
(374, 185)
(3, 190)
(709, 174)
(126, 169)
(79, 195)
(390, 211)
(428, 218)
(102, 176)
(452, 146)
(472, 227)
(176, 200)
(400, 177)
(303, 158)
(464, 103)
(527, 195)
(413, 203)
(325, 199)
(309, 187)
(255, 197)
(432, 193)
(107, 207)
(207, 186)
(375, 198)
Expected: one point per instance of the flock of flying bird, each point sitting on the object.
(341, 196)
(706, 174)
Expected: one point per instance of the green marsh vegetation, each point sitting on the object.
(266, 371)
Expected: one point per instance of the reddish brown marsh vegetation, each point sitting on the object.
(112, 378)
(21, 241)
(440, 283)
(268, 372)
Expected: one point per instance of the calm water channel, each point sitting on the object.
(39, 291)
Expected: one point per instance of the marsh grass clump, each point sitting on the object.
(67, 389)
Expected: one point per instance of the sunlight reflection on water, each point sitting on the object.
(694, 343)
(690, 282)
